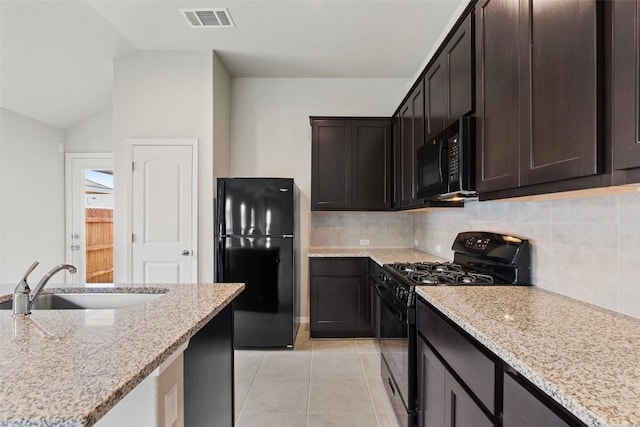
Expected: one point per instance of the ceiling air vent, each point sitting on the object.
(201, 18)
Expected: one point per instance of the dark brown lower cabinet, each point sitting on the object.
(457, 387)
(523, 409)
(430, 387)
(340, 298)
(443, 402)
(460, 410)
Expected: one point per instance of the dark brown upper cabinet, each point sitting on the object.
(351, 163)
(411, 138)
(626, 84)
(498, 128)
(435, 83)
(560, 102)
(539, 92)
(448, 81)
(397, 162)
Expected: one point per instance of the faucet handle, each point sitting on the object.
(29, 270)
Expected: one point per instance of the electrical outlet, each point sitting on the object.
(171, 406)
(364, 242)
(415, 242)
(438, 249)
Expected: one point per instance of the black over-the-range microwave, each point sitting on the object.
(446, 163)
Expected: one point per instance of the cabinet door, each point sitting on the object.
(626, 84)
(331, 164)
(339, 305)
(418, 118)
(459, 64)
(498, 127)
(560, 102)
(340, 298)
(430, 387)
(523, 409)
(371, 142)
(411, 138)
(459, 408)
(436, 102)
(397, 162)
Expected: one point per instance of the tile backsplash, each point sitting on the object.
(588, 249)
(345, 230)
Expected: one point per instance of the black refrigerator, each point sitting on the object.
(256, 244)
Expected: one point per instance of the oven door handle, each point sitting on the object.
(385, 297)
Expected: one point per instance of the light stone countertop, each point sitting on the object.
(378, 255)
(585, 357)
(69, 367)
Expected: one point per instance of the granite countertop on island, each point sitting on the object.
(379, 255)
(585, 357)
(69, 367)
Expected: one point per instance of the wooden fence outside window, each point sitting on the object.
(99, 243)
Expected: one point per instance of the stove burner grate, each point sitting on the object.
(431, 273)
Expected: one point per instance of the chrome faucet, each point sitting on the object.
(22, 298)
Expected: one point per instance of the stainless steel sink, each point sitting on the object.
(88, 300)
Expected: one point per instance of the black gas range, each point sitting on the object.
(480, 259)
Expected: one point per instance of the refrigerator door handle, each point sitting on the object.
(222, 229)
(220, 261)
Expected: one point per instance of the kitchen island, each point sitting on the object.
(70, 367)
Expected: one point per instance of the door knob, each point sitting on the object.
(186, 253)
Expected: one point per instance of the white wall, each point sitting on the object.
(221, 120)
(92, 135)
(588, 249)
(164, 94)
(31, 197)
(271, 134)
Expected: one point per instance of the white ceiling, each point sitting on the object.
(56, 55)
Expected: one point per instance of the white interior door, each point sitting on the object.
(164, 202)
(76, 164)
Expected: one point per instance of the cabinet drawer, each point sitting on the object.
(338, 267)
(474, 368)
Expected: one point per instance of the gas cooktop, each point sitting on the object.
(434, 273)
(480, 258)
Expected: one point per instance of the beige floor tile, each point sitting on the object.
(302, 344)
(283, 364)
(381, 402)
(371, 364)
(387, 420)
(277, 395)
(342, 420)
(339, 395)
(336, 365)
(367, 346)
(241, 390)
(272, 420)
(247, 362)
(335, 346)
